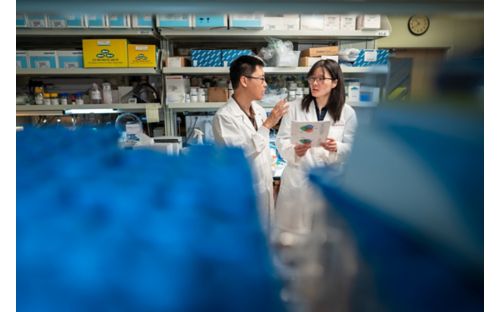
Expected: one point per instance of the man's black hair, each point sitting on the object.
(243, 66)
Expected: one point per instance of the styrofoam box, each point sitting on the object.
(22, 59)
(70, 59)
(332, 22)
(312, 22)
(57, 21)
(281, 22)
(247, 21)
(21, 20)
(96, 21)
(373, 21)
(142, 21)
(174, 20)
(43, 59)
(348, 22)
(330, 57)
(76, 21)
(37, 20)
(118, 21)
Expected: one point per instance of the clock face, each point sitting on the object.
(418, 24)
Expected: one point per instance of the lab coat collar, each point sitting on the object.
(311, 115)
(235, 110)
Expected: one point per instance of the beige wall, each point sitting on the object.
(459, 33)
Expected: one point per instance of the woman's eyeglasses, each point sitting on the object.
(262, 79)
(311, 80)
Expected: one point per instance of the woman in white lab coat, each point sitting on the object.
(326, 101)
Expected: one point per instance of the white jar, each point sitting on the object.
(201, 96)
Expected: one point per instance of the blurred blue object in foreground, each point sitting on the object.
(105, 229)
(411, 197)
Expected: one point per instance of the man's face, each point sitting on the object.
(256, 84)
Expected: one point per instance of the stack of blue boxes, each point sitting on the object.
(216, 58)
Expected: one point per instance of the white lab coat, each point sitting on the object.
(231, 126)
(296, 197)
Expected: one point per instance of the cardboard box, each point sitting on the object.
(43, 59)
(369, 22)
(57, 21)
(76, 21)
(141, 55)
(312, 22)
(281, 22)
(348, 22)
(37, 20)
(206, 58)
(319, 51)
(96, 21)
(307, 61)
(118, 21)
(21, 20)
(246, 21)
(142, 21)
(174, 20)
(176, 61)
(332, 22)
(104, 53)
(22, 59)
(210, 21)
(70, 59)
(218, 94)
(228, 56)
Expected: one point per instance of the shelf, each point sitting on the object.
(59, 110)
(260, 34)
(83, 32)
(381, 69)
(85, 71)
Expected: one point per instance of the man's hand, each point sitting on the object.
(301, 149)
(280, 109)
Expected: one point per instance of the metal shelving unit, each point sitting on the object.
(85, 71)
(84, 32)
(59, 110)
(382, 69)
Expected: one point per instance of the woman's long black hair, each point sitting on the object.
(336, 99)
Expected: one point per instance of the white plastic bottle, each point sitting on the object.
(107, 97)
(95, 94)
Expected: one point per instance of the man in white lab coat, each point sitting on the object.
(242, 122)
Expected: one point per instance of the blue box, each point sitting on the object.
(206, 58)
(210, 21)
(118, 21)
(96, 21)
(42, 59)
(75, 21)
(228, 56)
(369, 57)
(21, 20)
(22, 59)
(37, 21)
(56, 21)
(247, 21)
(70, 59)
(174, 20)
(142, 21)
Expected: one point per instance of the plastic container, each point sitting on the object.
(54, 98)
(194, 95)
(63, 99)
(202, 96)
(78, 99)
(38, 95)
(95, 94)
(46, 98)
(107, 97)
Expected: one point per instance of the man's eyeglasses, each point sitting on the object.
(311, 80)
(262, 79)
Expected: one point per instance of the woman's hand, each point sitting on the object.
(301, 149)
(330, 145)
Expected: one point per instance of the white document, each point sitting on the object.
(313, 132)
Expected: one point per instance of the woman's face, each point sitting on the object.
(321, 83)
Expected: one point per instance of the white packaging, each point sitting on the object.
(353, 91)
(43, 59)
(57, 21)
(288, 59)
(369, 21)
(142, 21)
(118, 20)
(291, 21)
(330, 57)
(175, 88)
(312, 22)
(107, 96)
(175, 61)
(246, 21)
(332, 22)
(37, 21)
(348, 22)
(123, 91)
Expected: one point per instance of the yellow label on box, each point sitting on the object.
(105, 53)
(141, 55)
